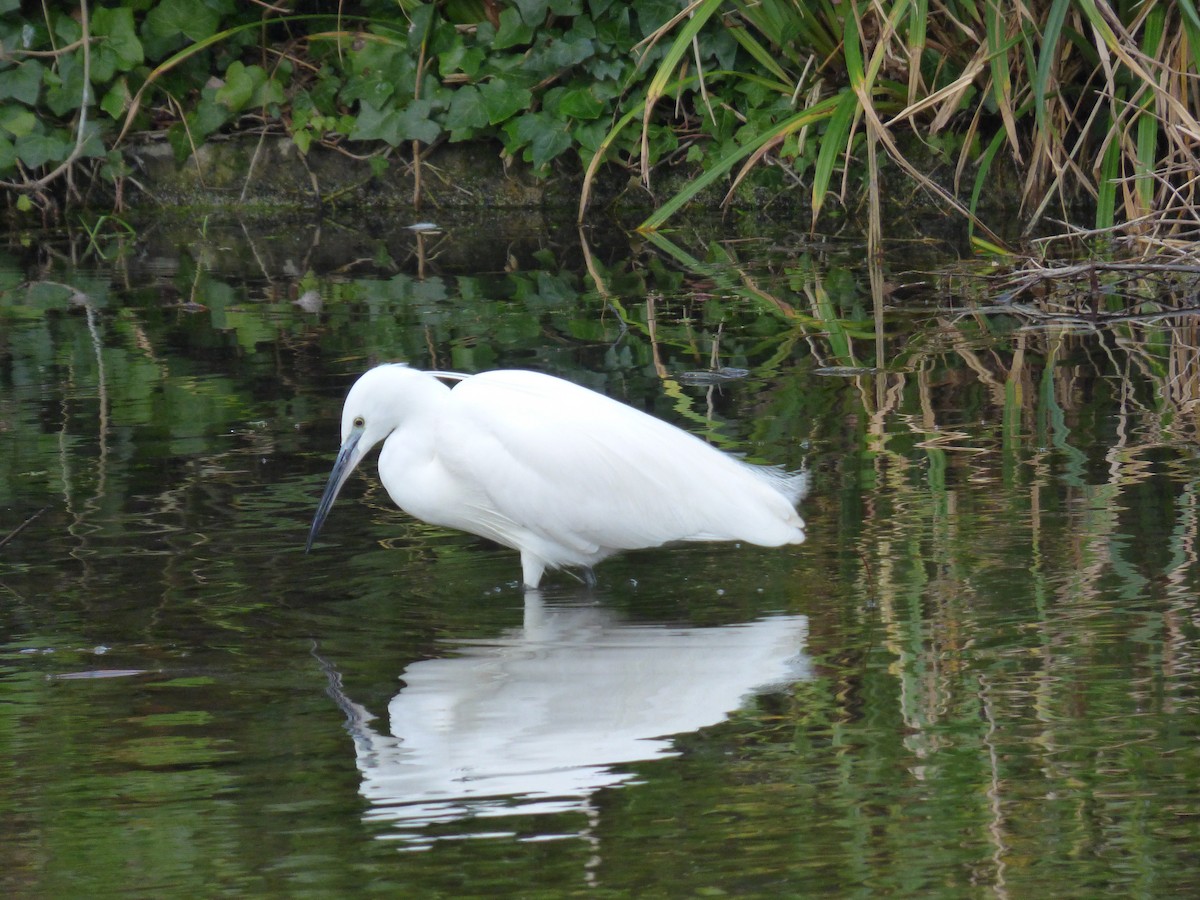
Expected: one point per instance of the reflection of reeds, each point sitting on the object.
(957, 514)
(1021, 493)
(1003, 450)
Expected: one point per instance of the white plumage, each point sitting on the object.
(560, 473)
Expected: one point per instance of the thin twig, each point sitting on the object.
(48, 54)
(12, 534)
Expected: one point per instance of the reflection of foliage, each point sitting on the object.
(1004, 495)
(1002, 475)
(150, 374)
(1001, 570)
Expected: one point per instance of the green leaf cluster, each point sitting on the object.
(1068, 87)
(543, 77)
(69, 74)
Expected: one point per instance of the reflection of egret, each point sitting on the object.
(533, 721)
(563, 474)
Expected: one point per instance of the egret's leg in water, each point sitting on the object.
(531, 570)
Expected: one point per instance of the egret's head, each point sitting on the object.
(372, 411)
(374, 405)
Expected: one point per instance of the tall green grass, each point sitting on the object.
(1088, 100)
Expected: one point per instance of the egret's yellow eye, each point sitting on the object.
(359, 422)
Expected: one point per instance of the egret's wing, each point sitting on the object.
(589, 472)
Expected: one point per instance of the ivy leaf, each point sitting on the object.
(116, 101)
(421, 19)
(608, 69)
(8, 154)
(35, 150)
(114, 166)
(172, 18)
(17, 120)
(533, 12)
(180, 141)
(467, 113)
(65, 92)
(461, 58)
(614, 32)
(395, 126)
(303, 108)
(375, 91)
(375, 124)
(503, 99)
(119, 49)
(22, 82)
(580, 28)
(512, 31)
(416, 125)
(208, 116)
(590, 136)
(543, 133)
(580, 103)
(92, 145)
(324, 93)
(653, 14)
(268, 91)
(568, 51)
(722, 45)
(382, 68)
(239, 86)
(67, 29)
(117, 28)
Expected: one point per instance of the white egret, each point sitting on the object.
(560, 473)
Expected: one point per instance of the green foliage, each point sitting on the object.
(539, 78)
(1068, 88)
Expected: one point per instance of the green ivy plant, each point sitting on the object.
(552, 81)
(543, 77)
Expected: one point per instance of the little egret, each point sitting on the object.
(562, 474)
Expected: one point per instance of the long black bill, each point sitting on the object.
(346, 460)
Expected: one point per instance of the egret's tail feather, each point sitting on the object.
(792, 485)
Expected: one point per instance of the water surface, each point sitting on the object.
(977, 677)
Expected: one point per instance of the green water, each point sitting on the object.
(978, 677)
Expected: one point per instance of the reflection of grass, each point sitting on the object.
(1005, 568)
(114, 225)
(988, 544)
(990, 457)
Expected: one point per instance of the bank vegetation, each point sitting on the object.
(1092, 103)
